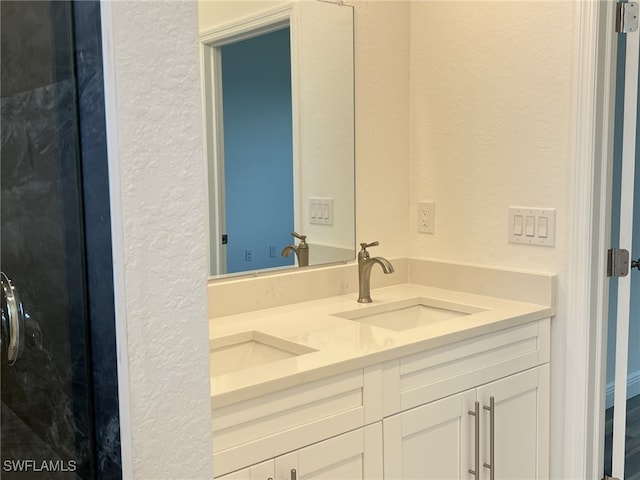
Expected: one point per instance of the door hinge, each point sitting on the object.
(617, 262)
(626, 17)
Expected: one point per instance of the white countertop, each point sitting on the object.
(342, 345)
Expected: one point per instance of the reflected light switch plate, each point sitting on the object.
(321, 210)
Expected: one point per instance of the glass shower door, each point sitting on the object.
(46, 384)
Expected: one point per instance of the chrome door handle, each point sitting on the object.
(13, 319)
(476, 470)
(492, 437)
(294, 474)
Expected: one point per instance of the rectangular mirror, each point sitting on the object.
(278, 93)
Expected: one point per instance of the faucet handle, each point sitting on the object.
(367, 245)
(299, 237)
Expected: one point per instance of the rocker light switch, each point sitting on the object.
(532, 226)
(543, 227)
(517, 224)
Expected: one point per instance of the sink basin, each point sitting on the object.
(250, 349)
(409, 313)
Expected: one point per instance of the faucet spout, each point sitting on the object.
(384, 263)
(365, 264)
(286, 251)
(301, 251)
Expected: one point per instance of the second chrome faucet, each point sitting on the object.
(365, 264)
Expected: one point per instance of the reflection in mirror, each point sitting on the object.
(278, 98)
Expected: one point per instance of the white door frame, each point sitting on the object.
(626, 237)
(588, 240)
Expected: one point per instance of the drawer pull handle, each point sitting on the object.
(294, 474)
(476, 470)
(492, 436)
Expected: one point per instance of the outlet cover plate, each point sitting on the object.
(426, 217)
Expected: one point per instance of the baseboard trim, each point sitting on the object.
(633, 388)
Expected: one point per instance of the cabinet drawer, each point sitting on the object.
(426, 376)
(254, 430)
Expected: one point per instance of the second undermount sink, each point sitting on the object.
(409, 313)
(250, 349)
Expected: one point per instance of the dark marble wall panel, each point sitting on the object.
(56, 239)
(49, 389)
(22, 439)
(36, 47)
(42, 252)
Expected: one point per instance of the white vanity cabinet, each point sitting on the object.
(438, 440)
(411, 411)
(428, 430)
(267, 427)
(355, 455)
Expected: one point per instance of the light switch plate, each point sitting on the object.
(426, 217)
(321, 210)
(532, 226)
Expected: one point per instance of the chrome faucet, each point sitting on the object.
(301, 251)
(365, 263)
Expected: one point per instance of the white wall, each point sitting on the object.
(156, 157)
(214, 12)
(491, 126)
(382, 125)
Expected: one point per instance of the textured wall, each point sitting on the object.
(160, 254)
(382, 124)
(491, 126)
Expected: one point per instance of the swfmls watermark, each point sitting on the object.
(31, 465)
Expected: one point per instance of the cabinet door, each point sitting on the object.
(342, 457)
(431, 442)
(261, 471)
(521, 426)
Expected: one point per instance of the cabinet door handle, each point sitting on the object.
(492, 437)
(476, 470)
(294, 474)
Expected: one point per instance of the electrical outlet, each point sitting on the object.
(248, 254)
(426, 217)
(272, 251)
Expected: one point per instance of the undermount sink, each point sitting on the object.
(409, 313)
(250, 349)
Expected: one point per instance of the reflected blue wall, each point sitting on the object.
(258, 151)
